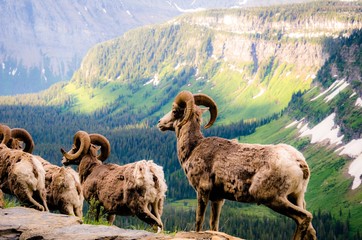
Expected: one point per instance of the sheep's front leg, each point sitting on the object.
(149, 218)
(215, 214)
(202, 201)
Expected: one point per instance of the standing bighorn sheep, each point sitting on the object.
(132, 189)
(274, 175)
(21, 173)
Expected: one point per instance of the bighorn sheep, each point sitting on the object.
(64, 192)
(21, 173)
(273, 175)
(131, 189)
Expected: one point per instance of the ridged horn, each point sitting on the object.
(205, 100)
(24, 136)
(82, 142)
(102, 141)
(5, 134)
(185, 99)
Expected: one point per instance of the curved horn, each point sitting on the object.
(82, 144)
(102, 141)
(203, 99)
(5, 133)
(185, 99)
(23, 135)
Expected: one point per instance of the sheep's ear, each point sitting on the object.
(95, 151)
(205, 109)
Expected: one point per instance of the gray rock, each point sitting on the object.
(27, 223)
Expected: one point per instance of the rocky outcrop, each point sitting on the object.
(27, 223)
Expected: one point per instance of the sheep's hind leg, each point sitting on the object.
(301, 216)
(298, 199)
(29, 196)
(215, 214)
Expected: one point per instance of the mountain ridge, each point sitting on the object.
(43, 42)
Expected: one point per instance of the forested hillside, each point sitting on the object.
(272, 72)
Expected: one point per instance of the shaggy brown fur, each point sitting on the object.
(274, 175)
(23, 176)
(123, 190)
(64, 191)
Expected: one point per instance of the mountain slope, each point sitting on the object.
(250, 60)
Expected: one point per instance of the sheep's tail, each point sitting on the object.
(39, 173)
(142, 174)
(305, 169)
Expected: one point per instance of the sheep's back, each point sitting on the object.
(111, 183)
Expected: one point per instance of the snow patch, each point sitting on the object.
(129, 13)
(353, 148)
(338, 90)
(104, 10)
(188, 10)
(292, 124)
(355, 170)
(155, 81)
(325, 130)
(262, 91)
(333, 86)
(333, 90)
(13, 72)
(358, 102)
(3, 65)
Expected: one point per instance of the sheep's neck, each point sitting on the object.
(188, 138)
(86, 166)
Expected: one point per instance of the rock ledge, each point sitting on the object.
(26, 223)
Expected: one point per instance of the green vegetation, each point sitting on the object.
(91, 214)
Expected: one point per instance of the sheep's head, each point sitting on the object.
(183, 109)
(85, 143)
(16, 138)
(19, 136)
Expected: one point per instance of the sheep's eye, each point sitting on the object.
(177, 113)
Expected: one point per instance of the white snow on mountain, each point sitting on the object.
(327, 131)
